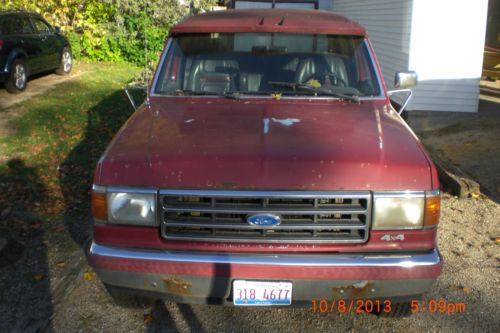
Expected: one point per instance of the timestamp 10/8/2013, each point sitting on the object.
(379, 306)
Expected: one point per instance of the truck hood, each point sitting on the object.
(266, 144)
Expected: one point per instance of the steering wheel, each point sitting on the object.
(323, 76)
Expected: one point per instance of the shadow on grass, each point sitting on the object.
(25, 298)
(76, 172)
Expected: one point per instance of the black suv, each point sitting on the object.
(29, 45)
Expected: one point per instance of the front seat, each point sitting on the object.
(216, 76)
(318, 67)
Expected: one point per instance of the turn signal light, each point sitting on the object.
(99, 205)
(432, 209)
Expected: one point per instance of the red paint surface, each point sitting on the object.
(128, 236)
(262, 20)
(266, 271)
(205, 143)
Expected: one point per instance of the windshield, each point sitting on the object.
(267, 63)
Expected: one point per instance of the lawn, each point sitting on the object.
(49, 158)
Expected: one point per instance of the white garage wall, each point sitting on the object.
(325, 4)
(442, 40)
(446, 50)
(388, 23)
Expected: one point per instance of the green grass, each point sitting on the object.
(57, 140)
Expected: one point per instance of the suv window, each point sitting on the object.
(41, 26)
(8, 25)
(12, 25)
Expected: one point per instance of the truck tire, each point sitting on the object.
(66, 62)
(125, 300)
(398, 310)
(18, 78)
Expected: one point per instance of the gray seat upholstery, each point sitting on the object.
(215, 76)
(320, 66)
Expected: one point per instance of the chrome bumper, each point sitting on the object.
(199, 277)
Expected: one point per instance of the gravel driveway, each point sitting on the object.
(467, 240)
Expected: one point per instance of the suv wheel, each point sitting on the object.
(398, 310)
(66, 62)
(18, 78)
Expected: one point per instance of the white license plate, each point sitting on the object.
(262, 293)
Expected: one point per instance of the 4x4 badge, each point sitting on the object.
(389, 238)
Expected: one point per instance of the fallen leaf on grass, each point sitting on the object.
(466, 290)
(148, 318)
(497, 240)
(89, 276)
(38, 277)
(61, 264)
(475, 195)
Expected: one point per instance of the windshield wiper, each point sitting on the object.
(320, 90)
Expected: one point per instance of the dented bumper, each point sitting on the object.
(204, 277)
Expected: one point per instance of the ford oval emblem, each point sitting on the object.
(264, 220)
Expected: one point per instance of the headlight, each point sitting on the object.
(124, 206)
(401, 211)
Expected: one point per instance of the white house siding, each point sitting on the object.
(325, 4)
(446, 50)
(442, 40)
(388, 23)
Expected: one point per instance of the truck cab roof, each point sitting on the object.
(270, 20)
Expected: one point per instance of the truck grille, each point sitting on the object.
(311, 217)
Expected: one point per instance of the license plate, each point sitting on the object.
(262, 293)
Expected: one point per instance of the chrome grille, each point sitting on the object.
(312, 217)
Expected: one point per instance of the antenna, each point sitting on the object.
(146, 53)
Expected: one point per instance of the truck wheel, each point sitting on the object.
(18, 78)
(124, 300)
(398, 310)
(66, 62)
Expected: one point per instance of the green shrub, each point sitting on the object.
(74, 41)
(112, 30)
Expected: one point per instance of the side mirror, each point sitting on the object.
(57, 30)
(405, 80)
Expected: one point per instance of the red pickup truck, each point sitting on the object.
(267, 167)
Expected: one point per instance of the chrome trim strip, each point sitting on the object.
(385, 260)
(159, 69)
(277, 211)
(399, 194)
(433, 193)
(292, 225)
(377, 74)
(126, 189)
(248, 96)
(98, 188)
(268, 194)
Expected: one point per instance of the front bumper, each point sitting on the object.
(204, 277)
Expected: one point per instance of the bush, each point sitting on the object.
(112, 30)
(74, 41)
